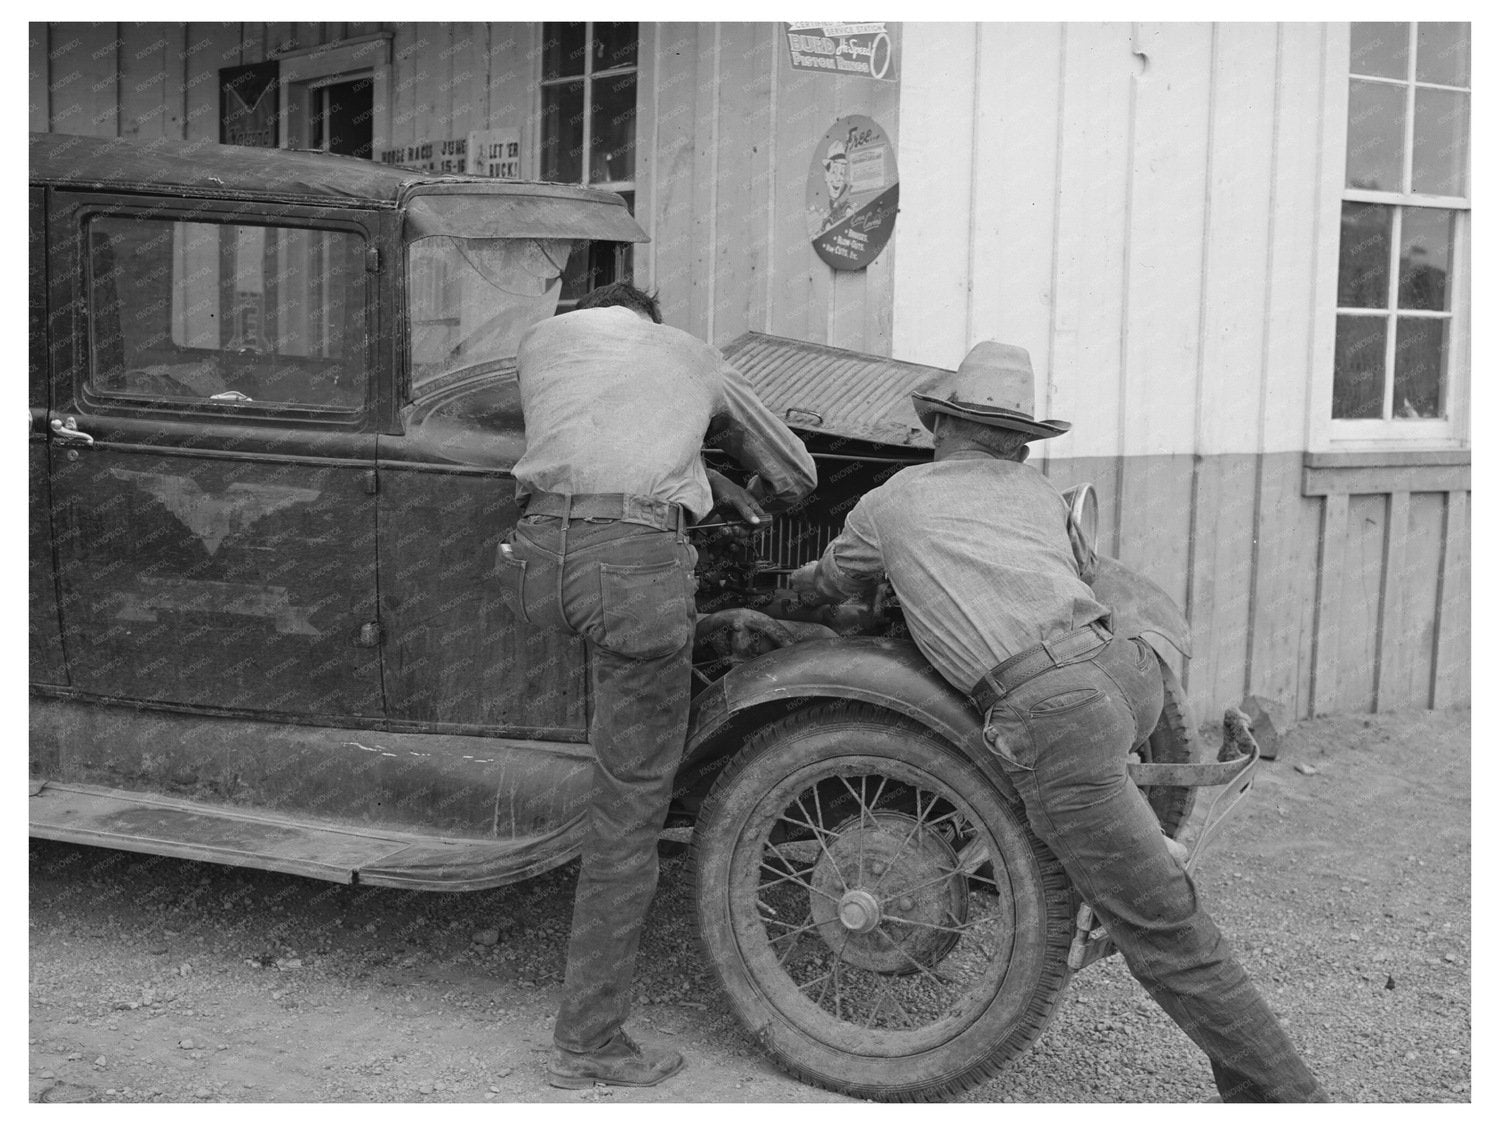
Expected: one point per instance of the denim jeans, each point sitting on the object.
(1062, 738)
(627, 590)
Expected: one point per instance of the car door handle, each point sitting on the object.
(67, 431)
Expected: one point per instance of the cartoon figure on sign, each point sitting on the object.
(836, 176)
(852, 193)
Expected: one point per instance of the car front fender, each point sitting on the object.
(1141, 608)
(887, 673)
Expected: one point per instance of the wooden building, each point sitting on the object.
(1237, 253)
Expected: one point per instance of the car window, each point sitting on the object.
(226, 313)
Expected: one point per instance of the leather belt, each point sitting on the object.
(1012, 673)
(621, 506)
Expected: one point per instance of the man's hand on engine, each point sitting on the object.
(725, 491)
(803, 582)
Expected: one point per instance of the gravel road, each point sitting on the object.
(1345, 885)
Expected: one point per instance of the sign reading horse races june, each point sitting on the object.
(495, 153)
(864, 49)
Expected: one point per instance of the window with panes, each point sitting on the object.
(589, 73)
(1400, 353)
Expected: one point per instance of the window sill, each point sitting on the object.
(1427, 470)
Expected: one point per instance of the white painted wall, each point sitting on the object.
(1144, 207)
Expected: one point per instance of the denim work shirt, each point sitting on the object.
(615, 403)
(977, 550)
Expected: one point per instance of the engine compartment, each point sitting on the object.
(745, 607)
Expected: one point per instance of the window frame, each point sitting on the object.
(1386, 432)
(624, 258)
(303, 73)
(85, 209)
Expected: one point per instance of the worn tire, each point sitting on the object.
(1010, 987)
(1173, 741)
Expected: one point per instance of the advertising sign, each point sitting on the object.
(852, 193)
(495, 153)
(429, 156)
(249, 98)
(863, 49)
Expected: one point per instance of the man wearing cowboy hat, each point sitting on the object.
(976, 546)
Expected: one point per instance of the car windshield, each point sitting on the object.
(470, 299)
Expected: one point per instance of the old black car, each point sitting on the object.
(273, 412)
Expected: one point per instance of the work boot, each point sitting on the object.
(620, 1062)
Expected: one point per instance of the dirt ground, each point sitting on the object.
(1346, 889)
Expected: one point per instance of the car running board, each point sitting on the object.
(139, 822)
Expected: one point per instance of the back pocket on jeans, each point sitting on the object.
(644, 609)
(511, 573)
(528, 588)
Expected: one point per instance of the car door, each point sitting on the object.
(212, 453)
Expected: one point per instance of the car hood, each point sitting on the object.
(818, 389)
(474, 419)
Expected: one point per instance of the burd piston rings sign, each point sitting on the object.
(852, 193)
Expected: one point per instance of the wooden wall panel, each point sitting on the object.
(1219, 579)
(1293, 264)
(151, 82)
(37, 69)
(1092, 199)
(409, 39)
(83, 83)
(1420, 588)
(1168, 159)
(511, 87)
(939, 70)
(1283, 584)
(740, 236)
(470, 77)
(799, 295)
(671, 220)
(1451, 661)
(702, 212)
(1015, 229)
(1231, 367)
(1357, 616)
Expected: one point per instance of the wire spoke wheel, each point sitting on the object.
(880, 915)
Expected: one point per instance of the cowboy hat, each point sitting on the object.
(993, 386)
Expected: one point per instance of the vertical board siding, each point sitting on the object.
(151, 82)
(1294, 264)
(1218, 604)
(1332, 535)
(1420, 583)
(37, 72)
(1450, 666)
(741, 242)
(1282, 605)
(1392, 634)
(937, 101)
(1091, 252)
(83, 79)
(1016, 143)
(1168, 191)
(672, 215)
(1357, 616)
(1237, 237)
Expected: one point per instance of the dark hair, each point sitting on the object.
(625, 295)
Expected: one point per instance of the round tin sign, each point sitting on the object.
(852, 193)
